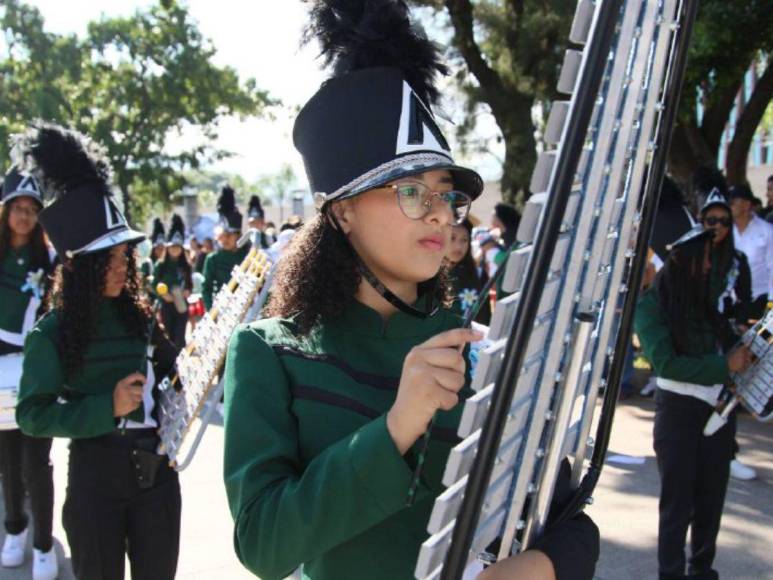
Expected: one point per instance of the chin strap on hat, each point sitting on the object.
(379, 286)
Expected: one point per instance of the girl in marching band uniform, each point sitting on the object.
(326, 401)
(687, 341)
(90, 371)
(175, 271)
(25, 264)
(467, 279)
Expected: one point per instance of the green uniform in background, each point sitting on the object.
(217, 271)
(18, 313)
(85, 401)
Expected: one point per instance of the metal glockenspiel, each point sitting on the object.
(536, 386)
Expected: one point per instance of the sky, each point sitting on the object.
(258, 38)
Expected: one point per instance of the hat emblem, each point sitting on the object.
(418, 130)
(113, 216)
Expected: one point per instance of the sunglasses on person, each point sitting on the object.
(415, 201)
(722, 221)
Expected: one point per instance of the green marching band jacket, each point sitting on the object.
(311, 472)
(18, 286)
(169, 273)
(217, 271)
(703, 363)
(52, 405)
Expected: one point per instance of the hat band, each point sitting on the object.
(383, 170)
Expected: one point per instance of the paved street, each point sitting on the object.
(625, 508)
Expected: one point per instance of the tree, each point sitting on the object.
(729, 37)
(131, 83)
(510, 51)
(513, 50)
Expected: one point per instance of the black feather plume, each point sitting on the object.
(158, 230)
(255, 202)
(61, 159)
(177, 226)
(358, 34)
(226, 203)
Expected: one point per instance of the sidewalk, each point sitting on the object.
(625, 509)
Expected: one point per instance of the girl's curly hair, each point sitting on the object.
(78, 287)
(317, 276)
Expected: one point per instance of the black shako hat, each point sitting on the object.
(176, 236)
(715, 197)
(372, 122)
(18, 184)
(741, 192)
(83, 217)
(230, 218)
(255, 210)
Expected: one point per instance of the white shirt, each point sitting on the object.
(756, 242)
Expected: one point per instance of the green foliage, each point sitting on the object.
(508, 54)
(132, 83)
(727, 38)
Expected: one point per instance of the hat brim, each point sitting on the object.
(465, 180)
(110, 240)
(698, 233)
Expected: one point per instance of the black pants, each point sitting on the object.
(26, 468)
(694, 470)
(175, 323)
(107, 514)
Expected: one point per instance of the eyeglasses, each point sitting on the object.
(415, 201)
(713, 221)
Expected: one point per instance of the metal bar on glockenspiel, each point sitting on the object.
(537, 271)
(653, 184)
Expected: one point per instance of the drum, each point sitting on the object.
(10, 377)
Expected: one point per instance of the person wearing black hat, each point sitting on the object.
(731, 265)
(256, 219)
(158, 246)
(175, 272)
(25, 264)
(90, 368)
(687, 340)
(754, 237)
(327, 398)
(219, 265)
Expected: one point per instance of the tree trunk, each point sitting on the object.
(514, 119)
(738, 151)
(688, 152)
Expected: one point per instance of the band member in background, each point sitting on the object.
(735, 301)
(158, 239)
(175, 271)
(327, 399)
(687, 340)
(256, 219)
(466, 278)
(219, 264)
(88, 374)
(25, 265)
